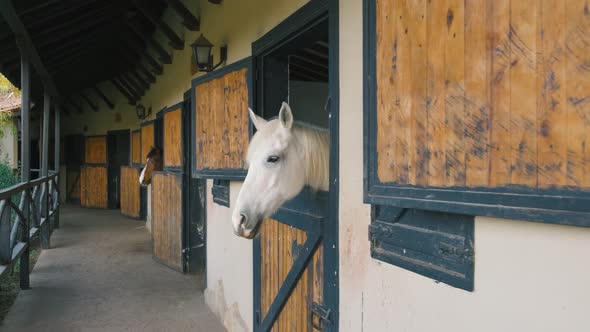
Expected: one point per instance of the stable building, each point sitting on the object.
(459, 131)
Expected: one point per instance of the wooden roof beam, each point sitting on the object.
(156, 66)
(189, 20)
(175, 41)
(103, 97)
(69, 101)
(26, 46)
(89, 102)
(165, 57)
(124, 92)
(134, 90)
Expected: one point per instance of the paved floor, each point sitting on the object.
(100, 276)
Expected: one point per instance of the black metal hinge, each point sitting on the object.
(320, 316)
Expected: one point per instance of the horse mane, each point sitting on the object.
(153, 152)
(314, 143)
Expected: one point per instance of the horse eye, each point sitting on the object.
(272, 159)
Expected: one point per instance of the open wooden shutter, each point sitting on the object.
(479, 107)
(136, 147)
(172, 137)
(147, 139)
(220, 122)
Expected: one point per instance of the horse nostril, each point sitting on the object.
(242, 221)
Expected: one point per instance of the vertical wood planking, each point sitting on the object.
(523, 85)
(387, 98)
(167, 218)
(96, 150)
(403, 134)
(513, 79)
(130, 192)
(435, 102)
(317, 276)
(147, 140)
(419, 153)
(552, 117)
(477, 100)
(500, 161)
(455, 94)
(136, 147)
(173, 138)
(222, 122)
(93, 187)
(577, 46)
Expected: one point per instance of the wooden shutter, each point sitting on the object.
(480, 107)
(220, 121)
(95, 150)
(147, 139)
(136, 147)
(173, 140)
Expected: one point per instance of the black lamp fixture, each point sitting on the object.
(203, 57)
(141, 111)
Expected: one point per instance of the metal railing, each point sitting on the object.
(26, 210)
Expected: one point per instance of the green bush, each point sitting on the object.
(7, 176)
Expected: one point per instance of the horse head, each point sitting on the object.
(282, 158)
(153, 162)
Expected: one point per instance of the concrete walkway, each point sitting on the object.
(100, 276)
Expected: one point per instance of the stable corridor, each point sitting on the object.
(99, 275)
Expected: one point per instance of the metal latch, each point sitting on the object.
(322, 314)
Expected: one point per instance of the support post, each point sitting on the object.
(45, 230)
(25, 147)
(56, 163)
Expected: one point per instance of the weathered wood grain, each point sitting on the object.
(483, 93)
(167, 218)
(388, 104)
(435, 101)
(93, 186)
(280, 245)
(577, 45)
(478, 64)
(147, 140)
(222, 122)
(130, 192)
(173, 138)
(500, 168)
(95, 150)
(136, 147)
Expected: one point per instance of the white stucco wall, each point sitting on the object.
(528, 276)
(229, 266)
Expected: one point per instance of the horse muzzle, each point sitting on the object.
(246, 228)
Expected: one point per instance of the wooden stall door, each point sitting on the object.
(131, 192)
(289, 275)
(93, 186)
(167, 219)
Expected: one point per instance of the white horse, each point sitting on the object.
(283, 158)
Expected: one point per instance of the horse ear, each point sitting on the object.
(286, 116)
(256, 120)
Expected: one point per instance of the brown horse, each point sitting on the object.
(153, 162)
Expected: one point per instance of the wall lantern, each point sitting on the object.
(202, 54)
(141, 111)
